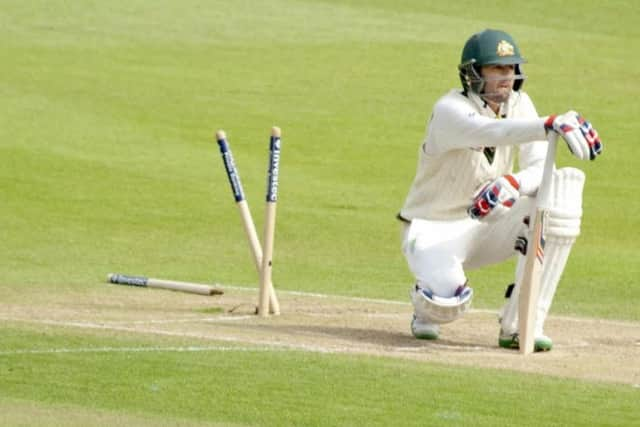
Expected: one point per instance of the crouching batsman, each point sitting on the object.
(468, 208)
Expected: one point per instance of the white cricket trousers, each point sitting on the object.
(439, 252)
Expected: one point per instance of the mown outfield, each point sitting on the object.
(108, 163)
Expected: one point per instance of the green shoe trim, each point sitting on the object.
(512, 342)
(542, 344)
(425, 335)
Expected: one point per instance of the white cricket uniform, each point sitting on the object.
(466, 146)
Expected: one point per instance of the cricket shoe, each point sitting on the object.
(512, 341)
(424, 330)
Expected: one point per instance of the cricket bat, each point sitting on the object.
(530, 286)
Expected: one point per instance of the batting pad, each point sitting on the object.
(562, 227)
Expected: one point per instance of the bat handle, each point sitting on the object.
(547, 174)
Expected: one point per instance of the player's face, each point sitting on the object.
(499, 81)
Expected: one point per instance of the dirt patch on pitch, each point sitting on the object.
(592, 349)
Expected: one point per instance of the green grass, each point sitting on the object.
(108, 164)
(246, 387)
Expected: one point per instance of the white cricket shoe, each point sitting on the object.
(424, 330)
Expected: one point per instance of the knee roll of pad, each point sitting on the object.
(565, 212)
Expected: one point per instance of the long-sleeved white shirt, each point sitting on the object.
(452, 164)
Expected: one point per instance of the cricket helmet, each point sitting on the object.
(488, 47)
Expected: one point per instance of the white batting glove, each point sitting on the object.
(495, 199)
(580, 136)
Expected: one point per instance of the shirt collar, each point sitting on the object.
(484, 108)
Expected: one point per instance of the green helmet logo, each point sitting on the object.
(488, 47)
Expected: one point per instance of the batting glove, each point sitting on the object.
(495, 199)
(580, 136)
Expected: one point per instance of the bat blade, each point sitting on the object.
(530, 286)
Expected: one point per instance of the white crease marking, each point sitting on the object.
(188, 349)
(613, 322)
(184, 320)
(263, 343)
